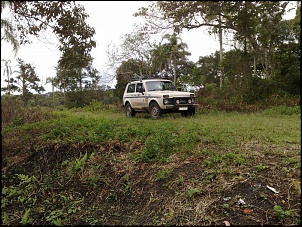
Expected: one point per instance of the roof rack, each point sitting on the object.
(146, 77)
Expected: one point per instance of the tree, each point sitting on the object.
(7, 30)
(254, 24)
(160, 60)
(206, 70)
(67, 21)
(136, 46)
(127, 70)
(176, 51)
(53, 82)
(26, 81)
(288, 58)
(297, 22)
(7, 70)
(32, 17)
(180, 15)
(76, 43)
(93, 77)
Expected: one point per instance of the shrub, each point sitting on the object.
(15, 112)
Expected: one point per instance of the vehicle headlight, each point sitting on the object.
(189, 101)
(166, 101)
(177, 101)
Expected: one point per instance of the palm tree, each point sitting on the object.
(176, 51)
(53, 82)
(8, 71)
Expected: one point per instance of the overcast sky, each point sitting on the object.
(111, 20)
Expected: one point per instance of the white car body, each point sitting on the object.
(157, 96)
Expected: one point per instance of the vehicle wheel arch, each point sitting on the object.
(154, 110)
(128, 110)
(127, 103)
(153, 101)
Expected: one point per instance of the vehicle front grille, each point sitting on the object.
(181, 100)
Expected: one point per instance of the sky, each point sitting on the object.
(111, 21)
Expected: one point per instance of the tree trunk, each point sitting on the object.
(53, 96)
(221, 54)
(174, 69)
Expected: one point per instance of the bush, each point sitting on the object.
(15, 112)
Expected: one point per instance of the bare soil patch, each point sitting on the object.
(113, 190)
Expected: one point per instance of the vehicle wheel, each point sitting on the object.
(188, 113)
(155, 111)
(129, 111)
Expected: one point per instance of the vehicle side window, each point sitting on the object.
(131, 88)
(139, 86)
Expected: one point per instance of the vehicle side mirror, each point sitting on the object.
(141, 90)
(179, 89)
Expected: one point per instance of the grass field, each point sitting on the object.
(97, 167)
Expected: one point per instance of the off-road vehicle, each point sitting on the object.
(157, 96)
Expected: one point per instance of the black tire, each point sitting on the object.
(155, 111)
(129, 111)
(188, 113)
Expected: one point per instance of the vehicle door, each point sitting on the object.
(140, 100)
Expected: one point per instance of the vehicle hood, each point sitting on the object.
(171, 93)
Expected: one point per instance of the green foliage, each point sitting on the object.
(213, 161)
(77, 99)
(121, 158)
(237, 159)
(194, 191)
(27, 81)
(126, 71)
(282, 110)
(79, 164)
(128, 185)
(160, 144)
(102, 106)
(288, 71)
(32, 17)
(164, 174)
(68, 22)
(15, 112)
(297, 185)
(7, 71)
(26, 220)
(158, 147)
(262, 167)
(23, 194)
(283, 214)
(54, 218)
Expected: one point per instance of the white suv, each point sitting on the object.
(157, 96)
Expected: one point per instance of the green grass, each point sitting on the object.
(85, 166)
(171, 132)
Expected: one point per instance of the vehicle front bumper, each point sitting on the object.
(180, 107)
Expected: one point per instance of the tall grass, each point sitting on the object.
(172, 133)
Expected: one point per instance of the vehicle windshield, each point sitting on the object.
(160, 86)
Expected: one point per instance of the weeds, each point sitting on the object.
(26, 220)
(283, 214)
(103, 168)
(79, 163)
(164, 174)
(194, 191)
